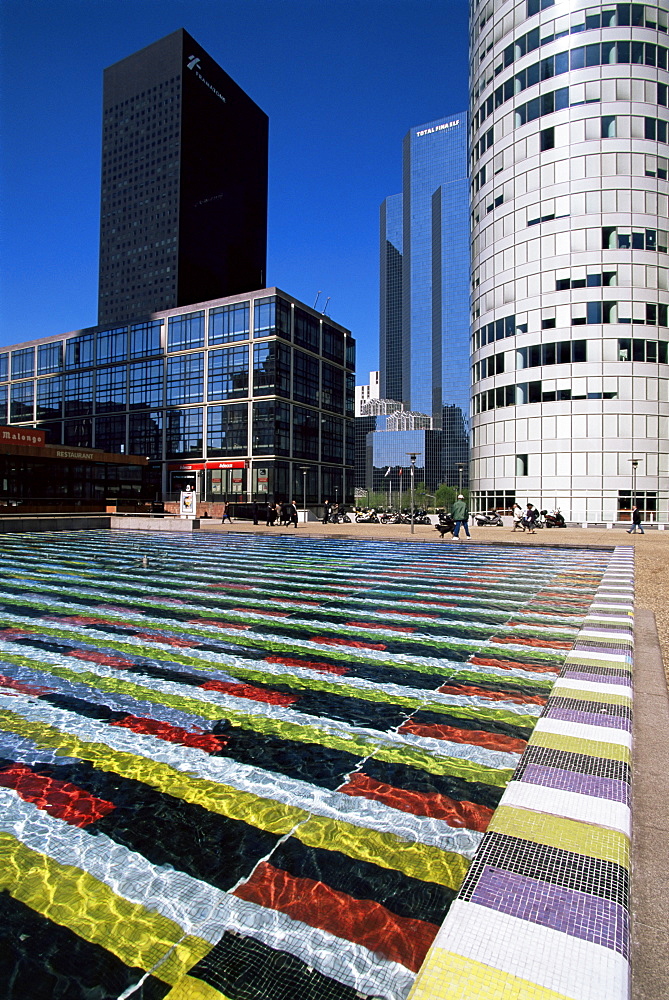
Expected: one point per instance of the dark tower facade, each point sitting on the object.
(184, 183)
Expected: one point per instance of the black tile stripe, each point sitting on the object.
(585, 705)
(548, 864)
(601, 767)
(415, 780)
(167, 830)
(399, 893)
(245, 969)
(42, 960)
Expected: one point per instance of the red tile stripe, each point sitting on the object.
(457, 814)
(60, 799)
(364, 922)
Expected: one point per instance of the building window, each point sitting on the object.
(332, 388)
(50, 358)
(332, 439)
(184, 433)
(228, 373)
(521, 465)
(21, 401)
(23, 363)
(271, 428)
(78, 434)
(49, 398)
(547, 139)
(271, 315)
(110, 433)
(227, 430)
(185, 378)
(145, 339)
(333, 344)
(271, 369)
(146, 434)
(113, 345)
(229, 323)
(307, 330)
(78, 394)
(4, 365)
(608, 127)
(305, 378)
(305, 433)
(80, 351)
(110, 389)
(185, 332)
(146, 384)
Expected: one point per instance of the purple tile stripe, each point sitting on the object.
(589, 718)
(588, 647)
(577, 913)
(573, 781)
(599, 678)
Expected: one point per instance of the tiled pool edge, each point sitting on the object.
(566, 815)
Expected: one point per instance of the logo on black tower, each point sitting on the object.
(194, 63)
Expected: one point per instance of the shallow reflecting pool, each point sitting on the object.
(258, 767)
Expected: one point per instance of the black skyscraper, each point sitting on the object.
(184, 183)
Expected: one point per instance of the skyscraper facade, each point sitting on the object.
(424, 300)
(184, 183)
(390, 314)
(569, 163)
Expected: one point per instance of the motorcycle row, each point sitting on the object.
(372, 516)
(545, 519)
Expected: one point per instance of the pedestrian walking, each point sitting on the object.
(254, 511)
(326, 512)
(530, 518)
(517, 513)
(226, 514)
(636, 522)
(293, 513)
(270, 516)
(460, 514)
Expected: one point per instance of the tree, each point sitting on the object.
(447, 495)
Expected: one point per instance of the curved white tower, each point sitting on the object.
(570, 271)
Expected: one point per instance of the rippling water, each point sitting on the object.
(259, 764)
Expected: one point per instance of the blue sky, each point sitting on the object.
(342, 82)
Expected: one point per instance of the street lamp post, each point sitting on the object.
(412, 458)
(304, 469)
(461, 469)
(635, 465)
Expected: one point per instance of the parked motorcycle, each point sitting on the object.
(554, 519)
(390, 517)
(370, 517)
(491, 519)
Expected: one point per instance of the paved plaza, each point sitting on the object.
(322, 763)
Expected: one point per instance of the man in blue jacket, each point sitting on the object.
(460, 515)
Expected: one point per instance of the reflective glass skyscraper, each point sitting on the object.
(427, 368)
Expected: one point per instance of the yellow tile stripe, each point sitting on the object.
(299, 733)
(190, 988)
(446, 976)
(421, 861)
(574, 744)
(566, 834)
(72, 898)
(590, 695)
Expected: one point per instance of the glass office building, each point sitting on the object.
(424, 296)
(183, 207)
(236, 397)
(391, 368)
(570, 166)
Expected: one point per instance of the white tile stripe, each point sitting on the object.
(570, 805)
(578, 685)
(551, 959)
